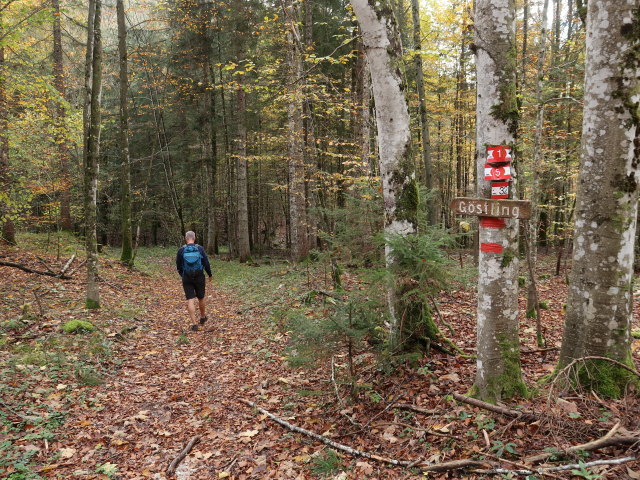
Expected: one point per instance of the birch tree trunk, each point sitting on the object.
(384, 52)
(297, 208)
(498, 373)
(60, 118)
(600, 299)
(127, 247)
(92, 149)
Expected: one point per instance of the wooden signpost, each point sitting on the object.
(485, 207)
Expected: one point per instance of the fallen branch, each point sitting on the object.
(31, 270)
(439, 467)
(559, 468)
(328, 441)
(45, 264)
(68, 264)
(607, 441)
(539, 350)
(413, 408)
(77, 267)
(185, 451)
(523, 414)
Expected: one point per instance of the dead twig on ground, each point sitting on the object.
(523, 414)
(31, 270)
(559, 468)
(440, 467)
(68, 264)
(75, 269)
(39, 303)
(413, 408)
(185, 451)
(337, 392)
(45, 264)
(606, 441)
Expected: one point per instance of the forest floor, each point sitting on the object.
(125, 400)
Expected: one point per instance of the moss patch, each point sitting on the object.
(78, 326)
(91, 304)
(606, 378)
(509, 384)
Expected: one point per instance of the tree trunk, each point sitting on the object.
(127, 247)
(600, 299)
(92, 148)
(498, 373)
(384, 52)
(536, 165)
(60, 117)
(242, 215)
(297, 209)
(8, 228)
(212, 163)
(422, 104)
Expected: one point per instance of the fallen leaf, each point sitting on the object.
(67, 452)
(365, 467)
(248, 433)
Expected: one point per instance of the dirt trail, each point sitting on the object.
(167, 392)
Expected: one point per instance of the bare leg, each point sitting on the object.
(191, 308)
(201, 306)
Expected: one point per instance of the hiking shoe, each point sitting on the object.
(194, 328)
(203, 320)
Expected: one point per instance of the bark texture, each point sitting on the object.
(498, 373)
(8, 229)
(422, 103)
(297, 201)
(92, 149)
(384, 52)
(532, 292)
(60, 119)
(127, 243)
(241, 177)
(600, 296)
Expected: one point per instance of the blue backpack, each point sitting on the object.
(192, 263)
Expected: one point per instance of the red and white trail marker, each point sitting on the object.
(497, 173)
(500, 190)
(499, 154)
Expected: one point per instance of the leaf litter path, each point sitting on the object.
(166, 392)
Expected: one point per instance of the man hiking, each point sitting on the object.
(190, 261)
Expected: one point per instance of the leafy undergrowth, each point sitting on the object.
(123, 400)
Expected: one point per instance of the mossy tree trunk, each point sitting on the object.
(600, 303)
(127, 240)
(384, 56)
(498, 374)
(93, 86)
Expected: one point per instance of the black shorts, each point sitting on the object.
(193, 285)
